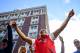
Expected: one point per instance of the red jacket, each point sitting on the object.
(44, 45)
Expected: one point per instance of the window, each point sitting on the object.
(43, 10)
(34, 27)
(5, 16)
(21, 24)
(2, 16)
(35, 17)
(31, 13)
(16, 14)
(22, 19)
(22, 13)
(12, 14)
(6, 22)
(27, 13)
(19, 20)
(37, 11)
(33, 34)
(34, 22)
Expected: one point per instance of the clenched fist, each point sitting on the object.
(71, 13)
(13, 24)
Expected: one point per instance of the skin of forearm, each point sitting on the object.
(23, 36)
(59, 30)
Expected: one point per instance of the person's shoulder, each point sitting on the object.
(76, 52)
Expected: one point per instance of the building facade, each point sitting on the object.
(29, 20)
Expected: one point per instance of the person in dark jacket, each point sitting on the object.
(7, 45)
(77, 45)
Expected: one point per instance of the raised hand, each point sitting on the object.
(71, 13)
(13, 24)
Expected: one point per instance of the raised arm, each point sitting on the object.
(10, 38)
(59, 30)
(62, 44)
(21, 34)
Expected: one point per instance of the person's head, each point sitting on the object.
(22, 49)
(4, 43)
(77, 43)
(43, 32)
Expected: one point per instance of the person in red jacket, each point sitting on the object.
(44, 43)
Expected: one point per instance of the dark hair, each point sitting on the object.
(4, 40)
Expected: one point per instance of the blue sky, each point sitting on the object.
(56, 8)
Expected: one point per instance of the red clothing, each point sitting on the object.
(44, 45)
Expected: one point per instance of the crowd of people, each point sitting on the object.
(44, 43)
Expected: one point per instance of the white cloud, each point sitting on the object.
(71, 32)
(67, 1)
